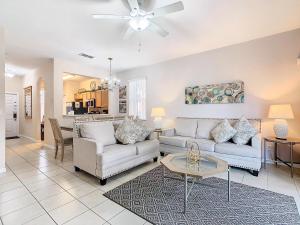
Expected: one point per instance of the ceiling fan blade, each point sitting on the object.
(134, 5)
(158, 29)
(110, 16)
(127, 33)
(175, 7)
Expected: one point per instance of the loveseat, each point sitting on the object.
(188, 130)
(97, 152)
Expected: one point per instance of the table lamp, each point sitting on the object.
(158, 113)
(280, 113)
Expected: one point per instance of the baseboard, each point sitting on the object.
(2, 170)
(30, 138)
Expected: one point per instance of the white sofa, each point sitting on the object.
(97, 152)
(188, 130)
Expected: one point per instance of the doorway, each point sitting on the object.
(11, 115)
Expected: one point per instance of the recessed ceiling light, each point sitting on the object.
(86, 55)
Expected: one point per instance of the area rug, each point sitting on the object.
(207, 203)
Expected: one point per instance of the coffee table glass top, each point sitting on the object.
(206, 166)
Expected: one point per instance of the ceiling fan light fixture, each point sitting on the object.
(139, 23)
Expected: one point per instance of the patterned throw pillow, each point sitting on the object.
(223, 132)
(132, 131)
(245, 131)
(143, 130)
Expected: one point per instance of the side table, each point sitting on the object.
(158, 132)
(290, 142)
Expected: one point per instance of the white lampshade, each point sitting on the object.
(283, 111)
(158, 112)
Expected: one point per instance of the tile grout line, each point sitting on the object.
(50, 178)
(89, 209)
(34, 198)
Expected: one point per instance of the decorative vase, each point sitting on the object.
(193, 153)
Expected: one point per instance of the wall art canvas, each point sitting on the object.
(122, 106)
(123, 99)
(123, 93)
(224, 93)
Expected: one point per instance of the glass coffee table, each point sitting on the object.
(207, 166)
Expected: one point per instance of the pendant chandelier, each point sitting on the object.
(112, 82)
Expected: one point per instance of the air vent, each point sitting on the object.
(86, 56)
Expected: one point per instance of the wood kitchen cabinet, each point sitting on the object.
(84, 99)
(93, 95)
(104, 98)
(101, 97)
(98, 98)
(78, 96)
(88, 95)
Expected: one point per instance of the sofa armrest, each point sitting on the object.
(85, 154)
(168, 132)
(256, 142)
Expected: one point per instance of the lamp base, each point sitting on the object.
(158, 123)
(281, 129)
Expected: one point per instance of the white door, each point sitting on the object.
(11, 115)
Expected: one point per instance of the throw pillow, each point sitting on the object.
(223, 132)
(132, 131)
(143, 130)
(245, 131)
(102, 132)
(125, 132)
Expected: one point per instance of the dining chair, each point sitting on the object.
(59, 139)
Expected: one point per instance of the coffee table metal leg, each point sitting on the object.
(164, 177)
(292, 160)
(185, 192)
(265, 153)
(228, 183)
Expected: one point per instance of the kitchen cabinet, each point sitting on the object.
(104, 98)
(84, 99)
(88, 95)
(98, 98)
(93, 95)
(101, 97)
(78, 96)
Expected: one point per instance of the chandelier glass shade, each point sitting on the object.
(112, 82)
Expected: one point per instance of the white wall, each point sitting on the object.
(31, 127)
(267, 66)
(2, 102)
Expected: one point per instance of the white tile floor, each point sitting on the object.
(36, 189)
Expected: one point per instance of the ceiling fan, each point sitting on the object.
(140, 20)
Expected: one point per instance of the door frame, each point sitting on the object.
(18, 110)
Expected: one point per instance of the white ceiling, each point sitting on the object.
(64, 28)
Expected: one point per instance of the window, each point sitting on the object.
(137, 98)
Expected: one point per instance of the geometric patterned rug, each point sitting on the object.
(207, 203)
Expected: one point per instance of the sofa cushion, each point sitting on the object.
(117, 152)
(223, 132)
(204, 144)
(147, 147)
(245, 131)
(239, 150)
(185, 127)
(102, 132)
(178, 141)
(205, 126)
